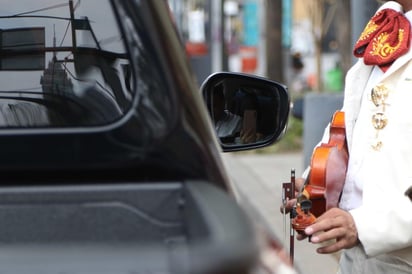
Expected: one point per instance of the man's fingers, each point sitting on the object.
(301, 236)
(335, 230)
(320, 226)
(329, 220)
(332, 234)
(289, 205)
(299, 182)
(331, 248)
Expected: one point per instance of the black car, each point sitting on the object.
(110, 162)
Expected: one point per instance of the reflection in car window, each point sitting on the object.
(62, 63)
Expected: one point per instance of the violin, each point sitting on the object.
(323, 186)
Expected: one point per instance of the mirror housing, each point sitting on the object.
(247, 111)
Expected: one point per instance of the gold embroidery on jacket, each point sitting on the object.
(381, 46)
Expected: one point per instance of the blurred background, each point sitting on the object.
(305, 44)
(277, 39)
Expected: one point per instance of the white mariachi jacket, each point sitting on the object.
(384, 219)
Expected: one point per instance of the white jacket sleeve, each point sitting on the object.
(384, 220)
(387, 227)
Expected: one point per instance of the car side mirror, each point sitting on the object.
(247, 111)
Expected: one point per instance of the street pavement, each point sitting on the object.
(258, 179)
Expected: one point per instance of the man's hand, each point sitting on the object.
(290, 203)
(334, 224)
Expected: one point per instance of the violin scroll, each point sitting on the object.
(302, 217)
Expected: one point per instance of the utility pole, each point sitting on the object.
(317, 18)
(344, 30)
(72, 18)
(274, 48)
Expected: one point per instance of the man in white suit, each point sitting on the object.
(373, 224)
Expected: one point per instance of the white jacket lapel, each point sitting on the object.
(401, 61)
(356, 81)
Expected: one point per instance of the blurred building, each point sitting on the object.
(222, 35)
(230, 35)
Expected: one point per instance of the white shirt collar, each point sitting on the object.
(391, 5)
(397, 7)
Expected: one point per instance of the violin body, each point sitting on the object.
(327, 175)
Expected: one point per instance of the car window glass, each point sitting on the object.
(62, 63)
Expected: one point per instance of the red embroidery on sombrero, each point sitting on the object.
(385, 38)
